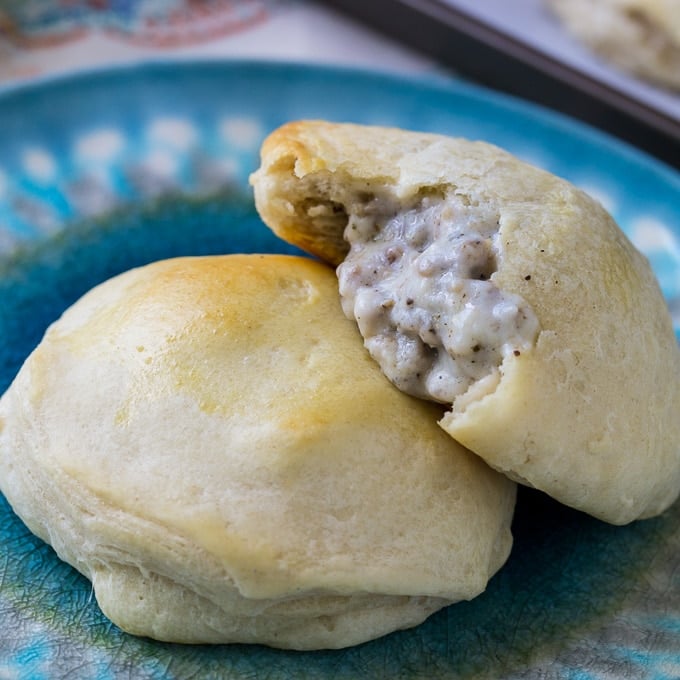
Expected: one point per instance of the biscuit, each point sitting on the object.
(496, 288)
(208, 442)
(638, 36)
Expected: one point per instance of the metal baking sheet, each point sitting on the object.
(521, 47)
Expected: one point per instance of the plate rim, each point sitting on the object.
(437, 82)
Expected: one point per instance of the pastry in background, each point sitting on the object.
(500, 290)
(639, 36)
(208, 442)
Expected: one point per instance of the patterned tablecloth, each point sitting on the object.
(52, 36)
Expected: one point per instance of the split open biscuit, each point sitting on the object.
(500, 290)
(208, 442)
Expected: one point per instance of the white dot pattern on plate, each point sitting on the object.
(602, 196)
(650, 235)
(661, 246)
(162, 163)
(242, 133)
(174, 132)
(109, 167)
(99, 146)
(39, 165)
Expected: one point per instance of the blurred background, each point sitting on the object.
(564, 54)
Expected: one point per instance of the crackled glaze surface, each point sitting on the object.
(86, 192)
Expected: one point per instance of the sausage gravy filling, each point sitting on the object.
(419, 284)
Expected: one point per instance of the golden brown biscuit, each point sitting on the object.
(500, 289)
(207, 441)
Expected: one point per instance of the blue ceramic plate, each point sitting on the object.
(108, 170)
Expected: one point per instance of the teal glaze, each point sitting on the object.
(578, 599)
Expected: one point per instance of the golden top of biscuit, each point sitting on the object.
(215, 422)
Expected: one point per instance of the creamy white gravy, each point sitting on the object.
(418, 283)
